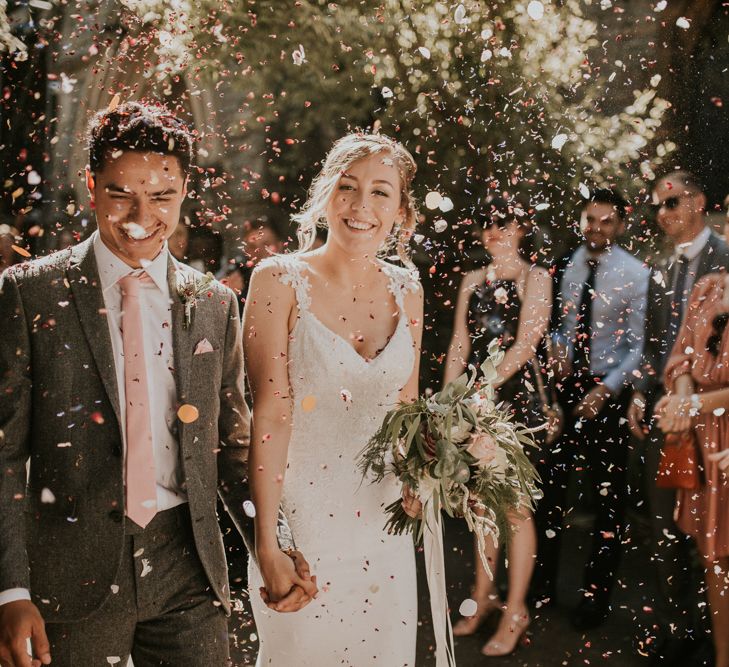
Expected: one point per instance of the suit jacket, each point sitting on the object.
(714, 257)
(60, 411)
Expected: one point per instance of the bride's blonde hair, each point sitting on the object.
(345, 152)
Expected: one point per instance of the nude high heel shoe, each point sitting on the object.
(517, 626)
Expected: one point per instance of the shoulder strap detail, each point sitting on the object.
(293, 274)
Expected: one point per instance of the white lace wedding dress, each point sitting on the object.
(366, 611)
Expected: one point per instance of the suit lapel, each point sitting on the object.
(83, 277)
(707, 261)
(182, 337)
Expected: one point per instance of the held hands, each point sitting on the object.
(411, 503)
(636, 415)
(591, 406)
(674, 413)
(19, 621)
(288, 584)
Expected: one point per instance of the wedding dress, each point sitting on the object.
(366, 610)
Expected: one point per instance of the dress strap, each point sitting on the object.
(292, 273)
(401, 281)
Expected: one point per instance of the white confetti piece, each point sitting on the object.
(146, 567)
(138, 553)
(718, 412)
(683, 23)
(114, 588)
(446, 204)
(542, 207)
(584, 191)
(655, 80)
(299, 56)
(559, 141)
(660, 6)
(440, 225)
(34, 178)
(425, 52)
(249, 508)
(433, 199)
(535, 9)
(113, 659)
(386, 92)
(468, 607)
(549, 533)
(486, 55)
(605, 4)
(459, 16)
(47, 496)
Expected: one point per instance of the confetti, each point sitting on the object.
(47, 496)
(468, 607)
(433, 200)
(21, 251)
(249, 508)
(559, 141)
(187, 413)
(440, 226)
(308, 403)
(535, 10)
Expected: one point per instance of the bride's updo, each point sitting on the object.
(345, 152)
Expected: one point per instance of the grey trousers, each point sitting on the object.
(677, 588)
(161, 610)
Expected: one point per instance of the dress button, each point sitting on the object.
(116, 516)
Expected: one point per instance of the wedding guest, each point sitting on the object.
(122, 419)
(205, 249)
(261, 240)
(179, 240)
(680, 204)
(602, 302)
(508, 300)
(697, 399)
(8, 238)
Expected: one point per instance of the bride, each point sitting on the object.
(332, 341)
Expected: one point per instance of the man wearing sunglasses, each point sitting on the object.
(679, 203)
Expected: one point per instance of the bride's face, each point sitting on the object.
(366, 204)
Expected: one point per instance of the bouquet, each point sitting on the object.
(458, 451)
(461, 452)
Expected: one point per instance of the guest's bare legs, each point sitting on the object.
(717, 591)
(522, 556)
(482, 592)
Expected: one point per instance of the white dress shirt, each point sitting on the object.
(618, 312)
(692, 252)
(159, 360)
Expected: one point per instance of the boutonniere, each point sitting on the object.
(190, 288)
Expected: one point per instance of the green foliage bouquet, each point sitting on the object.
(458, 451)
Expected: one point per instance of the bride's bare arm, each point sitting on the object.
(265, 343)
(414, 312)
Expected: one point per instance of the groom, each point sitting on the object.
(121, 418)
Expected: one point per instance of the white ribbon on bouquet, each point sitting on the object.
(435, 575)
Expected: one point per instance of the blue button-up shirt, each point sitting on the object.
(618, 312)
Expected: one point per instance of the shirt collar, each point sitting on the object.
(602, 258)
(693, 249)
(112, 269)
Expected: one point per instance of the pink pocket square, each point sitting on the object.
(203, 346)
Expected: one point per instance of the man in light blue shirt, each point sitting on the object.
(601, 305)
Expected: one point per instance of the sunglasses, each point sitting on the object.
(669, 204)
(713, 342)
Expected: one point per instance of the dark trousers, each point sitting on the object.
(676, 587)
(597, 449)
(161, 610)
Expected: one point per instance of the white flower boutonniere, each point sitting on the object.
(190, 288)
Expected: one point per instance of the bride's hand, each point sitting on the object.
(288, 585)
(411, 503)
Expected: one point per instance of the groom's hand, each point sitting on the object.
(289, 585)
(20, 621)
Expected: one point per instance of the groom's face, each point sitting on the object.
(137, 196)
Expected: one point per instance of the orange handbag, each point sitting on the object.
(679, 466)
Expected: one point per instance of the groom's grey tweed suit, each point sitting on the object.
(59, 410)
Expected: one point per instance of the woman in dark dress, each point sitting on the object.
(510, 300)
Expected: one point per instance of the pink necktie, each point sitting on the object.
(140, 475)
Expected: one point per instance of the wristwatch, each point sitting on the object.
(696, 405)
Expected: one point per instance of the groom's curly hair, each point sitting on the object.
(138, 126)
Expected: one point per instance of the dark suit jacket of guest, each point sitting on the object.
(714, 257)
(62, 534)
